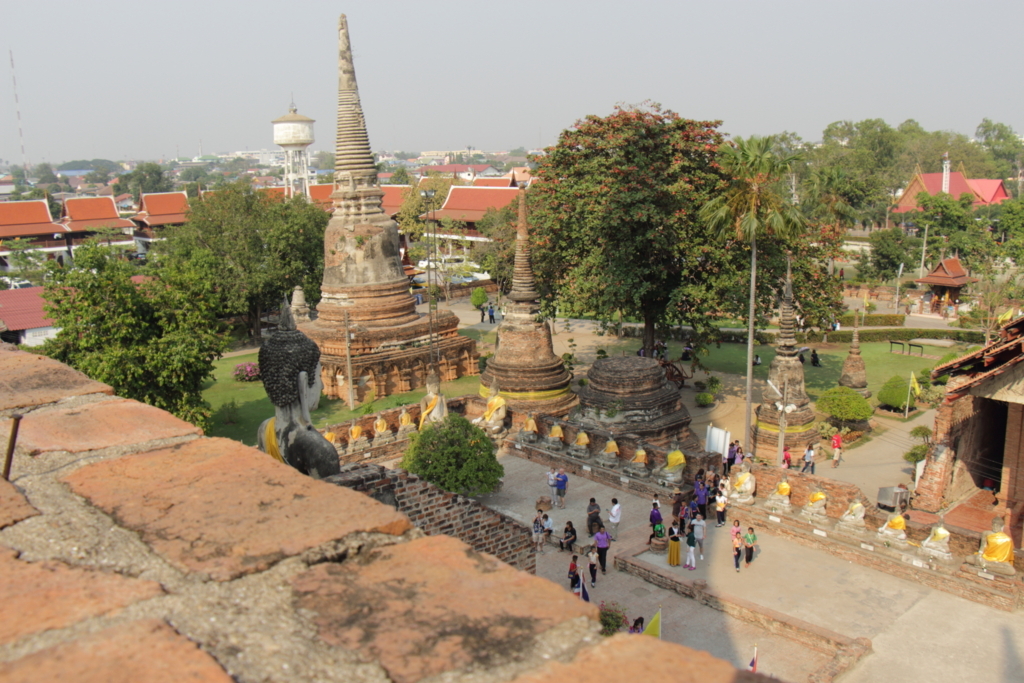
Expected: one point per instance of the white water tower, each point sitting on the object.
(294, 132)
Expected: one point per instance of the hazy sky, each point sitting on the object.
(142, 79)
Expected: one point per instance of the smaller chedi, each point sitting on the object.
(290, 368)
(995, 554)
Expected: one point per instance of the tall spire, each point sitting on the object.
(855, 342)
(787, 317)
(524, 288)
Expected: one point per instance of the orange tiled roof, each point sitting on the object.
(393, 195)
(321, 195)
(983, 191)
(467, 203)
(86, 213)
(22, 309)
(948, 273)
(162, 208)
(493, 182)
(27, 219)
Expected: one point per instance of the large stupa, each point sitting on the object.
(528, 373)
(787, 373)
(365, 290)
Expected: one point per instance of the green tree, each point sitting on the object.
(615, 218)
(479, 297)
(414, 204)
(890, 248)
(26, 259)
(153, 342)
(1005, 146)
(146, 178)
(456, 455)
(44, 174)
(1011, 223)
(954, 220)
(844, 405)
(896, 393)
(752, 205)
(100, 177)
(263, 248)
(497, 257)
(401, 176)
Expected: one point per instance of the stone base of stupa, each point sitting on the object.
(800, 431)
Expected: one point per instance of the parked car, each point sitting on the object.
(16, 283)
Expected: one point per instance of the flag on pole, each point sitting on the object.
(654, 628)
(753, 662)
(583, 590)
(1005, 317)
(914, 385)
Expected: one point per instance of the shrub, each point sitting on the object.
(932, 395)
(247, 372)
(845, 405)
(917, 453)
(894, 334)
(612, 618)
(895, 394)
(478, 298)
(601, 353)
(481, 362)
(873, 320)
(714, 385)
(922, 432)
(700, 386)
(942, 379)
(703, 399)
(455, 455)
(228, 413)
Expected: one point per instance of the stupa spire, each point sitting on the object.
(855, 342)
(787, 317)
(524, 288)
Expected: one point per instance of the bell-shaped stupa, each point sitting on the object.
(365, 291)
(787, 373)
(855, 375)
(528, 373)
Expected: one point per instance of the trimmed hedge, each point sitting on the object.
(874, 320)
(899, 334)
(896, 394)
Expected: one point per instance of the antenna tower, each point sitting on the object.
(17, 107)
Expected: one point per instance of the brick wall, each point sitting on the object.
(439, 512)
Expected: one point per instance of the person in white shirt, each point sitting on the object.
(614, 517)
(552, 484)
(699, 530)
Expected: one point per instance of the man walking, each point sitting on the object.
(701, 493)
(808, 459)
(538, 532)
(553, 485)
(837, 449)
(490, 313)
(593, 517)
(603, 541)
(614, 517)
(561, 485)
(699, 527)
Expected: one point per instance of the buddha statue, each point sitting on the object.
(493, 419)
(815, 507)
(381, 432)
(742, 490)
(581, 446)
(937, 543)
(675, 462)
(555, 439)
(433, 406)
(357, 440)
(995, 554)
(853, 519)
(528, 432)
(894, 530)
(779, 498)
(290, 368)
(609, 456)
(638, 467)
(405, 424)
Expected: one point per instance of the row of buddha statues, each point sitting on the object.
(639, 467)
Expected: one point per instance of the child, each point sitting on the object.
(749, 540)
(691, 544)
(574, 575)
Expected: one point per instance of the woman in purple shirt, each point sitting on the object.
(603, 541)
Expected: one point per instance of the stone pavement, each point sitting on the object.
(802, 582)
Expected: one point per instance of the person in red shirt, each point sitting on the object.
(837, 449)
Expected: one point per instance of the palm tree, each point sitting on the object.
(753, 204)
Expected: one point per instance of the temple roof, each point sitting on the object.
(27, 219)
(988, 362)
(983, 190)
(22, 309)
(466, 203)
(162, 208)
(87, 213)
(948, 273)
(493, 182)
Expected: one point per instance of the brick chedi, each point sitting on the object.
(854, 373)
(787, 373)
(363, 277)
(529, 374)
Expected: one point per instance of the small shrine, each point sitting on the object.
(854, 374)
(946, 281)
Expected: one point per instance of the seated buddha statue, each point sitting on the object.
(581, 446)
(638, 467)
(290, 369)
(381, 432)
(815, 507)
(779, 498)
(894, 529)
(853, 518)
(995, 554)
(528, 432)
(405, 424)
(433, 406)
(493, 419)
(609, 456)
(675, 462)
(743, 487)
(357, 440)
(937, 543)
(555, 439)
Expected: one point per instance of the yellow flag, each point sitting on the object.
(914, 386)
(654, 628)
(1005, 317)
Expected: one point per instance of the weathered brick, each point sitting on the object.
(13, 506)
(30, 380)
(220, 507)
(141, 651)
(37, 596)
(89, 427)
(432, 605)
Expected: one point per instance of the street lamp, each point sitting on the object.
(785, 408)
(428, 196)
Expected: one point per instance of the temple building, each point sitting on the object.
(366, 315)
(530, 376)
(946, 280)
(787, 373)
(975, 468)
(983, 191)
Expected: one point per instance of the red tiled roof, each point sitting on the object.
(948, 273)
(321, 194)
(85, 213)
(162, 208)
(983, 191)
(393, 195)
(27, 219)
(467, 203)
(454, 168)
(273, 192)
(990, 191)
(22, 309)
(493, 182)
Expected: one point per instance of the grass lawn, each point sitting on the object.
(254, 406)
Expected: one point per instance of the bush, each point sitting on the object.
(247, 372)
(917, 453)
(845, 405)
(895, 394)
(922, 432)
(873, 320)
(228, 414)
(612, 618)
(479, 297)
(703, 399)
(481, 362)
(894, 334)
(700, 386)
(714, 385)
(456, 456)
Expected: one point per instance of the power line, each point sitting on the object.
(17, 107)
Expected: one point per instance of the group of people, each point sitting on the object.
(815, 358)
(660, 351)
(487, 310)
(809, 455)
(733, 457)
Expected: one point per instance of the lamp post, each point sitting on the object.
(784, 408)
(924, 248)
(899, 274)
(428, 196)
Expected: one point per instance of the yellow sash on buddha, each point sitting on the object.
(853, 508)
(612, 447)
(582, 439)
(355, 432)
(998, 548)
(639, 458)
(783, 489)
(939, 533)
(530, 425)
(430, 407)
(492, 406)
(330, 436)
(741, 480)
(675, 459)
(897, 523)
(405, 419)
(380, 426)
(556, 432)
(817, 495)
(270, 441)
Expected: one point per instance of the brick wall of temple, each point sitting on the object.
(439, 512)
(133, 548)
(945, 479)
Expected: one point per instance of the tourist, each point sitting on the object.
(757, 359)
(657, 527)
(736, 531)
(842, 273)
(603, 542)
(483, 312)
(638, 625)
(677, 503)
(721, 501)
(614, 517)
(727, 458)
(538, 532)
(837, 449)
(815, 360)
(549, 529)
(700, 492)
(692, 510)
(799, 356)
(655, 515)
(699, 527)
(593, 517)
(737, 551)
(490, 313)
(673, 544)
(592, 564)
(809, 459)
(553, 485)
(749, 541)
(561, 486)
(574, 575)
(787, 458)
(691, 544)
(656, 499)
(568, 538)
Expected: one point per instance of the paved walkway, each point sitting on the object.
(919, 634)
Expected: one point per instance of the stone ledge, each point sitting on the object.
(13, 506)
(142, 651)
(27, 379)
(224, 509)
